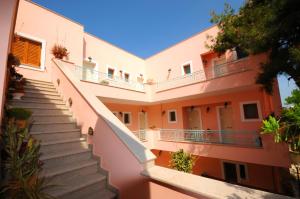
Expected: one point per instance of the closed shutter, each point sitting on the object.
(34, 54)
(19, 48)
(28, 51)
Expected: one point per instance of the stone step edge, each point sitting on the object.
(64, 154)
(63, 141)
(47, 123)
(81, 186)
(50, 132)
(70, 168)
(29, 101)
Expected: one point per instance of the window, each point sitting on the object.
(126, 77)
(242, 169)
(235, 172)
(250, 111)
(127, 118)
(28, 51)
(110, 73)
(187, 69)
(172, 116)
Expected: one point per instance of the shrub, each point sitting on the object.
(182, 161)
(59, 51)
(19, 113)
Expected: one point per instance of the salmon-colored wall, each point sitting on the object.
(41, 23)
(8, 10)
(105, 54)
(259, 176)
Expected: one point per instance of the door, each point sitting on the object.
(194, 118)
(226, 125)
(230, 173)
(220, 67)
(142, 120)
(88, 71)
(225, 116)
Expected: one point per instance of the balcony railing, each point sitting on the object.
(141, 134)
(207, 74)
(95, 76)
(237, 138)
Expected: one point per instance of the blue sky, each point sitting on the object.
(145, 27)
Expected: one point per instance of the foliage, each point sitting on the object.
(19, 113)
(59, 51)
(22, 165)
(260, 26)
(287, 128)
(182, 161)
(12, 62)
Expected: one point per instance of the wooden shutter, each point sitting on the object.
(34, 54)
(19, 48)
(28, 51)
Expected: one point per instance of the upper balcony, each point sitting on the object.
(209, 73)
(95, 76)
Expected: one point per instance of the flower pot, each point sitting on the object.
(18, 95)
(21, 123)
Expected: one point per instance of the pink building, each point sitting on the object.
(185, 97)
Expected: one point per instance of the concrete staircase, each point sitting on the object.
(68, 161)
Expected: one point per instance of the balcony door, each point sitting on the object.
(225, 118)
(194, 118)
(88, 71)
(142, 120)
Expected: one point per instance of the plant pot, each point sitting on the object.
(18, 95)
(21, 123)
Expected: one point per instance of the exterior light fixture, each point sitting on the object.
(91, 131)
(70, 102)
(225, 104)
(58, 81)
(207, 109)
(90, 59)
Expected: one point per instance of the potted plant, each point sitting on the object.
(104, 82)
(12, 62)
(17, 88)
(20, 115)
(60, 51)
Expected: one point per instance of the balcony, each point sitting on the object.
(91, 75)
(209, 73)
(140, 134)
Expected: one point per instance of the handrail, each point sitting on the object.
(231, 137)
(207, 74)
(141, 153)
(105, 79)
(141, 134)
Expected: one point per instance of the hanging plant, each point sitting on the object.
(60, 51)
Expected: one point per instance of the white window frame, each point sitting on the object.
(184, 64)
(258, 110)
(237, 168)
(130, 118)
(169, 118)
(43, 51)
(110, 67)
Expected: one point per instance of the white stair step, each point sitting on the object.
(52, 126)
(49, 111)
(101, 194)
(39, 88)
(38, 101)
(56, 135)
(34, 81)
(79, 185)
(65, 157)
(63, 145)
(35, 91)
(68, 172)
(52, 118)
(26, 104)
(33, 85)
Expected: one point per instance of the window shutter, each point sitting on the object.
(19, 48)
(28, 51)
(34, 54)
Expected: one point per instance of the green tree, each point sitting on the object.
(287, 127)
(271, 26)
(182, 161)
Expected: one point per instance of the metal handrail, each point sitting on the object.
(228, 137)
(141, 134)
(207, 74)
(105, 79)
